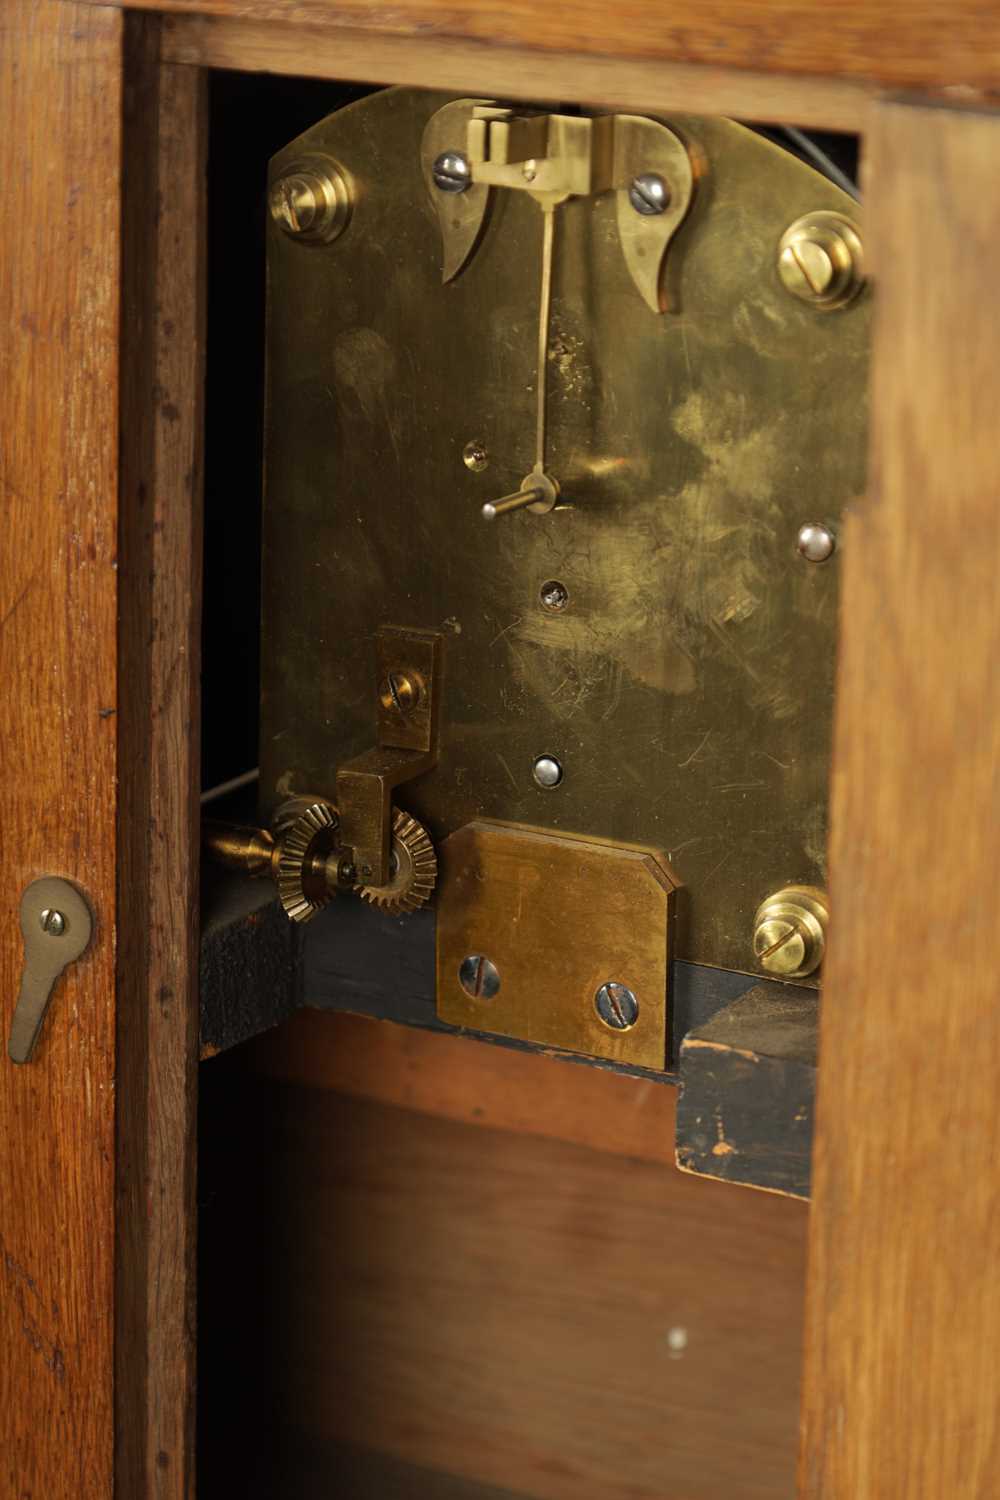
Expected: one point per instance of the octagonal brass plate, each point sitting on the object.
(686, 687)
(557, 918)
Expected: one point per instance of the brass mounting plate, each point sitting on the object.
(406, 746)
(686, 687)
(416, 655)
(558, 917)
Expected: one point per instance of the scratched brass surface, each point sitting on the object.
(686, 689)
(515, 896)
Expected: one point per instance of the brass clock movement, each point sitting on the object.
(563, 413)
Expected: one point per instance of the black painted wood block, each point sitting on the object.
(748, 1082)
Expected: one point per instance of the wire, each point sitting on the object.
(819, 158)
(232, 785)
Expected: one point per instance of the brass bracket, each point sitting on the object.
(407, 694)
(556, 940)
(555, 157)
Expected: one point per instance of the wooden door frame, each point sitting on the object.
(60, 81)
(904, 1009)
(164, 201)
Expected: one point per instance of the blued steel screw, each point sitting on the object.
(617, 1006)
(451, 172)
(479, 977)
(649, 194)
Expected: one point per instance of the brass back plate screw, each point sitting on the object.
(821, 261)
(789, 931)
(312, 202)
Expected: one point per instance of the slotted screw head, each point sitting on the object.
(400, 692)
(789, 935)
(53, 922)
(821, 260)
(311, 203)
(479, 977)
(451, 172)
(617, 1006)
(780, 945)
(649, 194)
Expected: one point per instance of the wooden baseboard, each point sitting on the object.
(461, 1079)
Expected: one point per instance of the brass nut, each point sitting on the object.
(311, 202)
(789, 931)
(821, 260)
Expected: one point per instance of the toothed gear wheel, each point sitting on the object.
(413, 870)
(311, 833)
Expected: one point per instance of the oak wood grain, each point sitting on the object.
(60, 107)
(902, 1380)
(924, 44)
(160, 575)
(633, 83)
(462, 1079)
(487, 1304)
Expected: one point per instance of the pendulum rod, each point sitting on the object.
(544, 311)
(538, 490)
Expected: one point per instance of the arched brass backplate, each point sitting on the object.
(658, 633)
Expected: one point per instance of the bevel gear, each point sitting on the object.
(413, 869)
(305, 844)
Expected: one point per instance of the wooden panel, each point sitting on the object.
(921, 44)
(902, 1383)
(632, 83)
(317, 1470)
(60, 110)
(531, 1316)
(461, 1079)
(160, 567)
